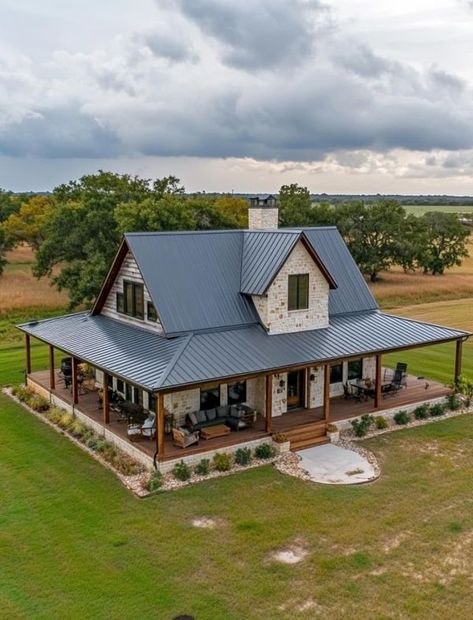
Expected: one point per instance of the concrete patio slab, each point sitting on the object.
(331, 464)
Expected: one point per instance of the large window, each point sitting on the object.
(336, 373)
(151, 312)
(210, 398)
(131, 301)
(237, 393)
(298, 296)
(355, 369)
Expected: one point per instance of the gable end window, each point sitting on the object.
(120, 303)
(151, 312)
(298, 292)
(133, 299)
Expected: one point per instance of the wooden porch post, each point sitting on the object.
(458, 359)
(269, 403)
(52, 378)
(326, 392)
(377, 392)
(160, 426)
(75, 387)
(307, 386)
(105, 399)
(28, 354)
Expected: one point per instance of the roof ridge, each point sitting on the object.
(175, 357)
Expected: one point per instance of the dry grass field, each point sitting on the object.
(19, 289)
(397, 288)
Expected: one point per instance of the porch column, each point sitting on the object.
(307, 387)
(52, 378)
(269, 403)
(326, 391)
(458, 359)
(160, 426)
(377, 392)
(75, 387)
(28, 353)
(105, 399)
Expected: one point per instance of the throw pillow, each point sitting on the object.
(211, 414)
(193, 418)
(201, 417)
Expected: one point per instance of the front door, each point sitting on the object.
(295, 389)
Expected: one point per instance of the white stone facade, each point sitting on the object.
(263, 218)
(129, 271)
(273, 306)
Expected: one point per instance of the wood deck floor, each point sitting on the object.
(340, 409)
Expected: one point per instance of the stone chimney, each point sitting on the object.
(263, 213)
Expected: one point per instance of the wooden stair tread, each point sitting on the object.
(308, 443)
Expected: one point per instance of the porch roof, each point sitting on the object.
(158, 363)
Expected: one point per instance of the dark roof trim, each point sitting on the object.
(111, 277)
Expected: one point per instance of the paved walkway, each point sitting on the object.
(330, 464)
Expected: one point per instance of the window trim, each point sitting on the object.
(299, 277)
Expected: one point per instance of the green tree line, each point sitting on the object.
(75, 231)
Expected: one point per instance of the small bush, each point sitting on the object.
(332, 428)
(279, 437)
(125, 465)
(361, 426)
(243, 456)
(181, 471)
(21, 392)
(402, 417)
(222, 461)
(452, 401)
(155, 482)
(66, 421)
(92, 442)
(202, 468)
(54, 415)
(264, 451)
(38, 403)
(437, 409)
(421, 412)
(101, 444)
(78, 428)
(108, 452)
(380, 422)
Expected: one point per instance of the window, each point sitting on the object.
(120, 303)
(137, 396)
(134, 301)
(210, 398)
(120, 386)
(110, 381)
(151, 401)
(151, 312)
(336, 373)
(128, 391)
(355, 369)
(298, 292)
(237, 393)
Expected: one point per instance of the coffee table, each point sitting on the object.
(219, 430)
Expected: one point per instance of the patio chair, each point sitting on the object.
(183, 438)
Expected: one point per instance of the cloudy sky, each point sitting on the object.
(341, 96)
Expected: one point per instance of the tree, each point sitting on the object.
(373, 233)
(3, 249)
(28, 223)
(295, 205)
(447, 240)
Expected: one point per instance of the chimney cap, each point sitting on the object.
(267, 202)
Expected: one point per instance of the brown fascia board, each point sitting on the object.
(111, 277)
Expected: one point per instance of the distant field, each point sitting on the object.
(421, 209)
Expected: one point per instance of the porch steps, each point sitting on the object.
(307, 435)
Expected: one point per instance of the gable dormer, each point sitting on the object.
(297, 299)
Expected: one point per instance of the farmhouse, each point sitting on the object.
(203, 341)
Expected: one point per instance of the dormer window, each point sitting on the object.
(298, 292)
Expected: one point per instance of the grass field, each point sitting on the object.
(421, 209)
(75, 544)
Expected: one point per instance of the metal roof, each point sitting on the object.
(132, 353)
(264, 252)
(154, 362)
(198, 280)
(245, 351)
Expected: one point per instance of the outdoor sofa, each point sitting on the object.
(230, 415)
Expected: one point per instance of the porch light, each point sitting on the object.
(312, 377)
(282, 383)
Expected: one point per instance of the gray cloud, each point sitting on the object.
(257, 35)
(168, 45)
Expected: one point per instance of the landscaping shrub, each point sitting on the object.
(464, 387)
(243, 456)
(332, 428)
(155, 482)
(181, 471)
(222, 461)
(361, 426)
(421, 412)
(402, 417)
(92, 442)
(380, 422)
(202, 468)
(66, 421)
(54, 415)
(38, 403)
(279, 437)
(21, 392)
(264, 451)
(78, 429)
(452, 402)
(437, 409)
(125, 465)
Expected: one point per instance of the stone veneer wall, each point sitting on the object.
(129, 271)
(273, 306)
(261, 218)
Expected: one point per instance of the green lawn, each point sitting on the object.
(75, 544)
(421, 209)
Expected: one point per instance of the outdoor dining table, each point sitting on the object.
(363, 390)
